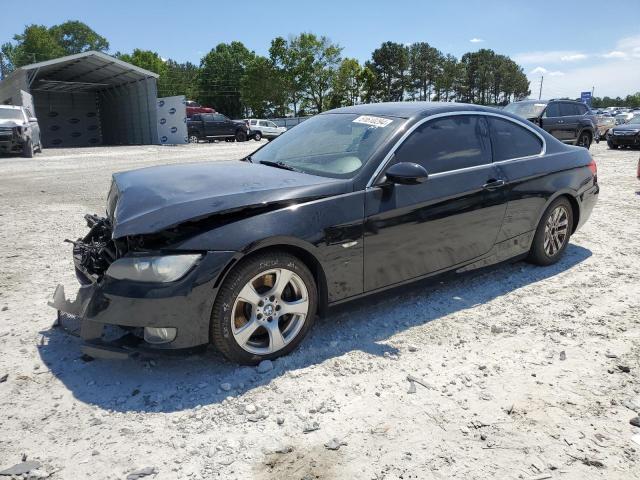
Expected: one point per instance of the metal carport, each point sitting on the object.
(88, 99)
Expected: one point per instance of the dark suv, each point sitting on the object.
(568, 121)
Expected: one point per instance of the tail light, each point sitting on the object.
(593, 167)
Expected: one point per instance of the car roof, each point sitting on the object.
(410, 109)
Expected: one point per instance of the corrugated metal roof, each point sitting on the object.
(84, 71)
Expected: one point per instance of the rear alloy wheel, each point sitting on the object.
(257, 137)
(193, 139)
(264, 308)
(584, 140)
(241, 137)
(553, 233)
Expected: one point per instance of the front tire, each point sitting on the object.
(193, 139)
(611, 145)
(257, 137)
(553, 233)
(241, 136)
(264, 308)
(27, 149)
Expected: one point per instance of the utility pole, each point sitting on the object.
(541, 80)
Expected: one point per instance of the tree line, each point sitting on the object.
(631, 101)
(303, 74)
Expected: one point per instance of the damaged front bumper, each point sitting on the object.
(184, 305)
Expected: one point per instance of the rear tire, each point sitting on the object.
(257, 137)
(553, 233)
(249, 322)
(241, 136)
(584, 140)
(193, 139)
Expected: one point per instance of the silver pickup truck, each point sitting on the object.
(19, 131)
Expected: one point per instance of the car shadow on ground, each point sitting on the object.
(168, 383)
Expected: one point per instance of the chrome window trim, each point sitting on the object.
(401, 140)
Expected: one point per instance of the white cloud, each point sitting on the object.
(476, 40)
(553, 56)
(574, 57)
(615, 54)
(544, 71)
(614, 77)
(630, 45)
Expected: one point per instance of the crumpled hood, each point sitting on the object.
(153, 199)
(11, 123)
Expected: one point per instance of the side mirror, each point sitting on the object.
(33, 120)
(406, 173)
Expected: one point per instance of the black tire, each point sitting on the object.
(27, 149)
(538, 254)
(257, 136)
(611, 145)
(193, 138)
(584, 140)
(241, 136)
(222, 336)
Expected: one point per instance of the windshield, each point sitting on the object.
(525, 109)
(10, 114)
(334, 145)
(635, 120)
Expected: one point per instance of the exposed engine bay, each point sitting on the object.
(96, 250)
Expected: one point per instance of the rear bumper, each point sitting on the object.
(184, 305)
(587, 200)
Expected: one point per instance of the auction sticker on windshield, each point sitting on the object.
(373, 121)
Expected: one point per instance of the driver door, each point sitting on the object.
(452, 218)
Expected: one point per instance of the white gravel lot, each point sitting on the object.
(499, 401)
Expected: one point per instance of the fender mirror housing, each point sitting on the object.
(406, 173)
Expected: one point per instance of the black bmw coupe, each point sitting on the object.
(244, 254)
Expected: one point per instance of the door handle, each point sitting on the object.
(560, 121)
(494, 184)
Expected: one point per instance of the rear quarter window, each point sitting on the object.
(511, 140)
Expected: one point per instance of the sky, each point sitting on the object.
(574, 44)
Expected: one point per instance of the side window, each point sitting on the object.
(510, 140)
(272, 125)
(262, 123)
(218, 117)
(252, 122)
(552, 110)
(448, 143)
(582, 110)
(568, 110)
(207, 117)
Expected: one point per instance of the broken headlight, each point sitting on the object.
(166, 268)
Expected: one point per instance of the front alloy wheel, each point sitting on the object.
(264, 308)
(269, 311)
(193, 139)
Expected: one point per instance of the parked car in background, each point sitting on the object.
(19, 131)
(623, 117)
(244, 254)
(264, 129)
(603, 124)
(215, 126)
(194, 108)
(626, 134)
(569, 121)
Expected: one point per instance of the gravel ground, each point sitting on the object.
(522, 367)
